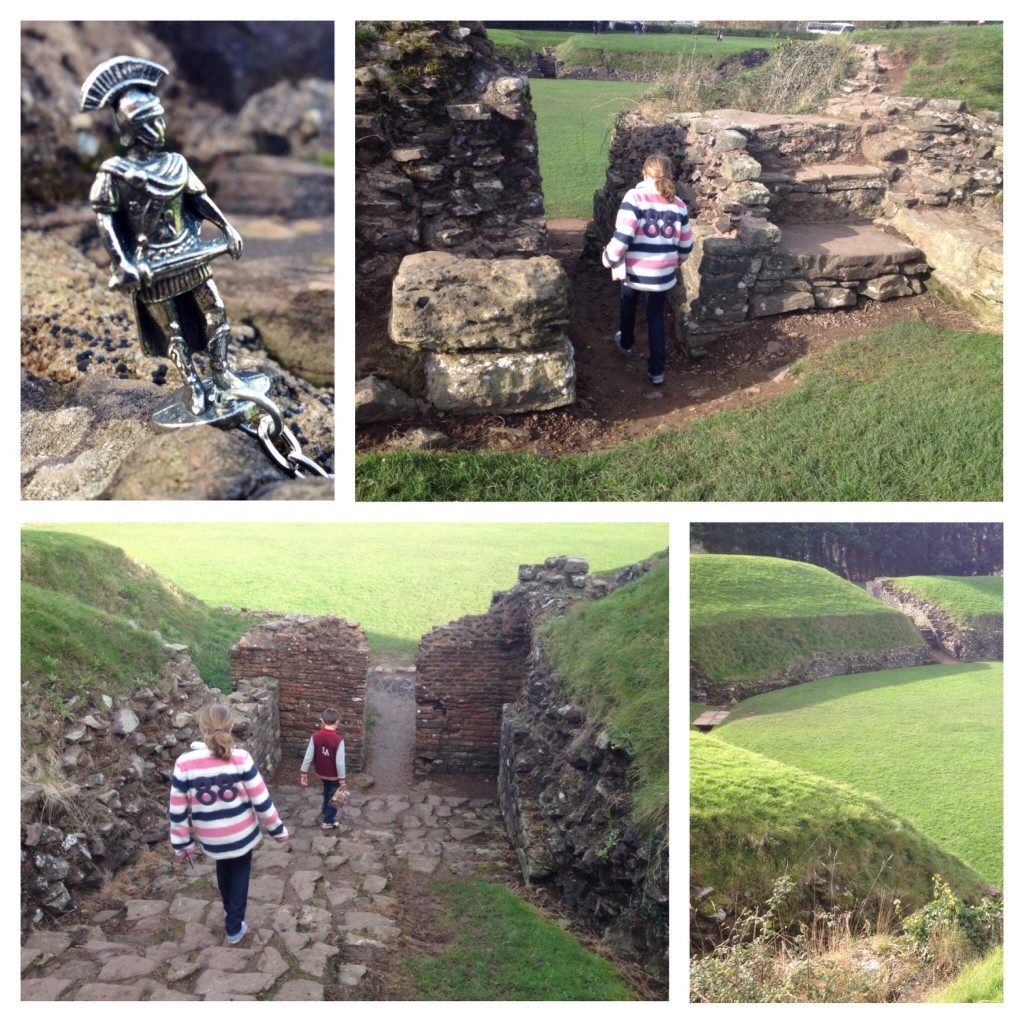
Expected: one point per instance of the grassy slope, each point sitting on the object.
(965, 598)
(877, 418)
(950, 62)
(751, 616)
(613, 657)
(497, 946)
(927, 741)
(96, 590)
(979, 982)
(754, 819)
(397, 579)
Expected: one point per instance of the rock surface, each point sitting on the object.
(321, 908)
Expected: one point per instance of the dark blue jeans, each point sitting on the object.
(330, 811)
(655, 325)
(233, 882)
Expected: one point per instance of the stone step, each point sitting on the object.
(846, 252)
(825, 192)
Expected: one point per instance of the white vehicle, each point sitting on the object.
(834, 28)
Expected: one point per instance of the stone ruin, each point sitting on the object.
(115, 766)
(314, 662)
(982, 641)
(799, 212)
(487, 702)
(450, 226)
(446, 150)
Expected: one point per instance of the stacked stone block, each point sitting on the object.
(317, 662)
(492, 332)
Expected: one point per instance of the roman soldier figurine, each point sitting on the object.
(149, 207)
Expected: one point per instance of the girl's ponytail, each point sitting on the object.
(659, 168)
(215, 724)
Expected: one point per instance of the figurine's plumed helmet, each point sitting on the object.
(130, 83)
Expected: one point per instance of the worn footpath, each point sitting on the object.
(321, 907)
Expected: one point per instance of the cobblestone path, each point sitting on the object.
(320, 908)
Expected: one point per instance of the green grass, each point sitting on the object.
(950, 62)
(910, 412)
(398, 580)
(979, 982)
(501, 948)
(965, 599)
(927, 741)
(613, 658)
(574, 126)
(754, 819)
(96, 591)
(751, 616)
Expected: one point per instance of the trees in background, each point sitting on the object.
(862, 551)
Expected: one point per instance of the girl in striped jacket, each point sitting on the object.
(221, 790)
(652, 238)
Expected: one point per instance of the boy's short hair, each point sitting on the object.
(330, 716)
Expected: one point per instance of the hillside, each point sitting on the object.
(968, 600)
(754, 820)
(751, 616)
(612, 655)
(877, 731)
(88, 612)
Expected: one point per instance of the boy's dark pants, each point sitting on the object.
(655, 324)
(330, 811)
(233, 882)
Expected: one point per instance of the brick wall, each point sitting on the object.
(317, 663)
(468, 670)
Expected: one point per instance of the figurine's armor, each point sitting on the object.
(148, 201)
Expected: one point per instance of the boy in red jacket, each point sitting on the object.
(326, 752)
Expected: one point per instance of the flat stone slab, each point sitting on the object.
(124, 968)
(46, 989)
(842, 240)
(299, 991)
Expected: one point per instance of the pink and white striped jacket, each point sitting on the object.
(652, 235)
(227, 801)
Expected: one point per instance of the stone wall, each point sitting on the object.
(747, 176)
(316, 663)
(982, 641)
(565, 795)
(96, 795)
(817, 665)
(446, 150)
(467, 670)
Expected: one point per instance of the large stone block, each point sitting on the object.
(502, 382)
(443, 304)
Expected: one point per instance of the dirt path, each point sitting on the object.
(615, 401)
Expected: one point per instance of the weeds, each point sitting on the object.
(829, 960)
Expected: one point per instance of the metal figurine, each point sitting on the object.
(149, 207)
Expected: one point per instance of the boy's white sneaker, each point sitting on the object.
(242, 932)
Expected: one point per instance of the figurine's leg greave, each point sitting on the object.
(177, 351)
(217, 332)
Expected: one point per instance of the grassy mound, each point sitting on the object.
(927, 741)
(612, 655)
(751, 616)
(877, 418)
(967, 600)
(88, 612)
(754, 820)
